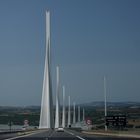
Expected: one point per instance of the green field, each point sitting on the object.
(17, 115)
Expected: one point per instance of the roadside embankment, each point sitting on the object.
(130, 134)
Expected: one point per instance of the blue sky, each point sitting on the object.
(89, 39)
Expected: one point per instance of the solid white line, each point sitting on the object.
(26, 135)
(80, 138)
(18, 137)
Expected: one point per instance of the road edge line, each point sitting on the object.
(24, 135)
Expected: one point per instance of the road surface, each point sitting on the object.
(67, 135)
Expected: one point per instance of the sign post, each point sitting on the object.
(10, 125)
(88, 122)
(26, 124)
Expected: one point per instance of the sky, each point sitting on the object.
(90, 39)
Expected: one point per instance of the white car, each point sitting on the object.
(60, 129)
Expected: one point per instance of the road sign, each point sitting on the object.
(88, 121)
(26, 122)
(116, 120)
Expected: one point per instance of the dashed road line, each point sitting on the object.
(80, 138)
(75, 135)
(51, 134)
(69, 132)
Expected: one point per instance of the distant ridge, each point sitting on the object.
(89, 104)
(112, 104)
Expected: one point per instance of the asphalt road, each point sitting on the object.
(67, 135)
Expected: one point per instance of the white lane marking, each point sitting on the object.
(80, 138)
(51, 134)
(75, 135)
(26, 135)
(18, 137)
(69, 132)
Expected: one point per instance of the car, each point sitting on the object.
(60, 129)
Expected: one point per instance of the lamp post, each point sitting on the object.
(105, 102)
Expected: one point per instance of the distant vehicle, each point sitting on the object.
(60, 129)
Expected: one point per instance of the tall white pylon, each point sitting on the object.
(69, 114)
(83, 114)
(46, 115)
(78, 113)
(105, 101)
(64, 114)
(74, 121)
(57, 111)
